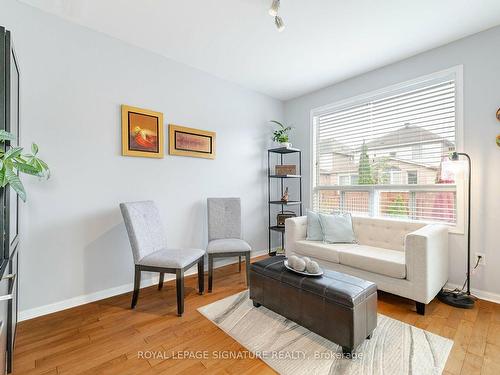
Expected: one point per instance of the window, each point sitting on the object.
(383, 152)
(346, 179)
(391, 175)
(412, 177)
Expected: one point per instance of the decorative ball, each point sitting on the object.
(307, 260)
(300, 265)
(292, 260)
(312, 267)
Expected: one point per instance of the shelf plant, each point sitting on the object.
(13, 162)
(280, 135)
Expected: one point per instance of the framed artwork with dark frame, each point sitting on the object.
(191, 142)
(142, 132)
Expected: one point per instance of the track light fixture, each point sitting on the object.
(275, 6)
(278, 21)
(273, 11)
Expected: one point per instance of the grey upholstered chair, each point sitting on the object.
(145, 232)
(224, 234)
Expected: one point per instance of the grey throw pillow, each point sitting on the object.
(337, 228)
(314, 232)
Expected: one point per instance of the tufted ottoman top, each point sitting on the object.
(334, 286)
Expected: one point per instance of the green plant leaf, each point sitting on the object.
(6, 136)
(15, 183)
(29, 169)
(13, 152)
(278, 123)
(44, 166)
(40, 165)
(13, 162)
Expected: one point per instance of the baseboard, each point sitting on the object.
(102, 294)
(481, 294)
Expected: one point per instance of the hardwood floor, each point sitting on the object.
(106, 337)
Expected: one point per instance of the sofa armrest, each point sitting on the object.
(426, 253)
(295, 230)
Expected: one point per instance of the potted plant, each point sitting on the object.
(13, 161)
(280, 135)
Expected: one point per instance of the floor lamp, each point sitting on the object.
(460, 298)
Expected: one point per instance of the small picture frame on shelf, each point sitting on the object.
(282, 216)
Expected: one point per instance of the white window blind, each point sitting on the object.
(382, 156)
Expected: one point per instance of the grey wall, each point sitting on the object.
(480, 57)
(73, 83)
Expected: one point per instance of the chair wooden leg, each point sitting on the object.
(247, 266)
(179, 282)
(160, 283)
(210, 272)
(201, 275)
(137, 286)
(239, 263)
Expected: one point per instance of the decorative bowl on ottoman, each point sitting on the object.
(307, 267)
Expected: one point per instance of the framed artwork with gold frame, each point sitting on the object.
(191, 142)
(142, 132)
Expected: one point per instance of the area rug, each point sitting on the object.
(395, 348)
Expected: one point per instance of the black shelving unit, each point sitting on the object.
(282, 153)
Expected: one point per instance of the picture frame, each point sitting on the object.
(184, 141)
(142, 132)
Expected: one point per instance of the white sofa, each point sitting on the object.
(403, 258)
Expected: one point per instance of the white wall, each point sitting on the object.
(480, 57)
(73, 83)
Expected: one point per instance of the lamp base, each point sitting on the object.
(456, 299)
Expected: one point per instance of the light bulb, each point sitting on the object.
(275, 6)
(278, 21)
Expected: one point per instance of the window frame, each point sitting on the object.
(412, 171)
(455, 72)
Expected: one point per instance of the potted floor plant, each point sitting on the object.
(280, 135)
(13, 162)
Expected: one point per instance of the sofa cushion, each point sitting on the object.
(172, 258)
(337, 228)
(314, 232)
(317, 249)
(384, 233)
(227, 245)
(374, 259)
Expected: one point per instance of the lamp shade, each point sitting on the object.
(452, 170)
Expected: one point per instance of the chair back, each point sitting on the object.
(224, 218)
(144, 228)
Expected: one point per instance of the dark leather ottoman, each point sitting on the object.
(339, 307)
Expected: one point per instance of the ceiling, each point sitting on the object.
(325, 41)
